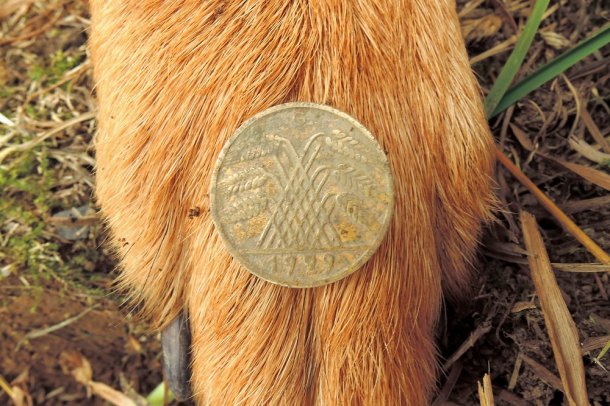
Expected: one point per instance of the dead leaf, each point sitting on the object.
(522, 137)
(559, 323)
(78, 366)
(521, 306)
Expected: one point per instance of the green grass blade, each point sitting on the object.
(603, 351)
(553, 69)
(156, 397)
(515, 59)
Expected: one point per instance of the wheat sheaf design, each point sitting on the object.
(302, 196)
(301, 217)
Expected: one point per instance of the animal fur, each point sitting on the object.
(174, 79)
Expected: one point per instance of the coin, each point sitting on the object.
(302, 195)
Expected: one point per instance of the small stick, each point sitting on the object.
(555, 211)
(55, 327)
(445, 392)
(479, 332)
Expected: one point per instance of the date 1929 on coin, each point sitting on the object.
(302, 195)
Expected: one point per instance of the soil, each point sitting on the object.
(116, 347)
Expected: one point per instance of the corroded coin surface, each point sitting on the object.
(302, 195)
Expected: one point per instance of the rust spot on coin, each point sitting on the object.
(302, 195)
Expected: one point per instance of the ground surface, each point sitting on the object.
(53, 269)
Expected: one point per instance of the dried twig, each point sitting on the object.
(559, 215)
(479, 332)
(43, 332)
(452, 379)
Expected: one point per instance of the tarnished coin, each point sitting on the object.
(302, 195)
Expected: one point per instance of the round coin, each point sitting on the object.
(302, 195)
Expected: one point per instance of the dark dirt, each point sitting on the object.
(111, 342)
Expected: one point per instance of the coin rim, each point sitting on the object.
(217, 221)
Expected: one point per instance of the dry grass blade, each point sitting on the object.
(111, 395)
(522, 306)
(559, 322)
(33, 33)
(594, 176)
(19, 388)
(594, 130)
(11, 6)
(595, 343)
(479, 28)
(588, 151)
(486, 394)
(79, 367)
(559, 215)
(541, 372)
(6, 387)
(595, 203)
(512, 383)
(498, 49)
(6, 121)
(581, 268)
(32, 143)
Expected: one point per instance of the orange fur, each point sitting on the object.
(174, 80)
